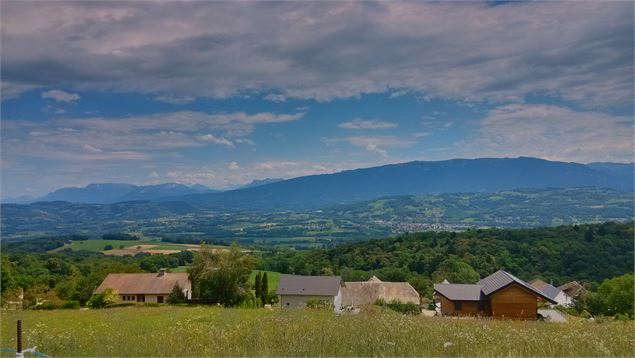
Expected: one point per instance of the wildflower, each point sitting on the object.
(447, 344)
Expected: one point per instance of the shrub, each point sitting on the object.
(150, 304)
(176, 296)
(101, 300)
(397, 306)
(71, 305)
(319, 304)
(107, 247)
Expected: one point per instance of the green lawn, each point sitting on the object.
(220, 332)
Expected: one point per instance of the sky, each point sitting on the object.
(221, 93)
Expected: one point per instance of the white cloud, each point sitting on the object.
(554, 133)
(217, 140)
(135, 137)
(90, 148)
(233, 166)
(172, 99)
(275, 97)
(359, 123)
(61, 96)
(374, 144)
(468, 51)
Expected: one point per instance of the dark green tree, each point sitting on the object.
(257, 284)
(177, 295)
(264, 289)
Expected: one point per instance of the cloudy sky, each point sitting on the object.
(223, 93)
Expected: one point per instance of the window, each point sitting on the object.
(159, 299)
(458, 306)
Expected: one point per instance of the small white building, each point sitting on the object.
(295, 291)
(146, 287)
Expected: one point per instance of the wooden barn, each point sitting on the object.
(500, 295)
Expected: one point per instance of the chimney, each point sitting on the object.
(162, 272)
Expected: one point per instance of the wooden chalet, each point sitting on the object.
(500, 295)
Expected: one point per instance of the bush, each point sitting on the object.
(107, 247)
(101, 300)
(397, 306)
(71, 305)
(176, 296)
(319, 304)
(150, 304)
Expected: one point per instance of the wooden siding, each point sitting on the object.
(468, 308)
(514, 302)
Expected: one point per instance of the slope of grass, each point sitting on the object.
(210, 331)
(272, 278)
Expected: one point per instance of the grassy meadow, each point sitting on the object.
(212, 331)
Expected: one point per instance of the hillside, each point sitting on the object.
(417, 178)
(306, 228)
(586, 253)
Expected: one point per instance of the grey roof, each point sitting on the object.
(460, 292)
(549, 290)
(501, 279)
(309, 285)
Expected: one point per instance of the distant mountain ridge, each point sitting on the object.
(107, 193)
(411, 178)
(419, 178)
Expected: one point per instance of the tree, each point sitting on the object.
(613, 297)
(264, 289)
(221, 276)
(101, 300)
(258, 284)
(177, 295)
(455, 271)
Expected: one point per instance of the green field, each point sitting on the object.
(98, 245)
(212, 331)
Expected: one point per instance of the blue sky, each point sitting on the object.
(223, 93)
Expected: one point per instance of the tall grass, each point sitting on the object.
(210, 331)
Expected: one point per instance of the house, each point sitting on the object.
(500, 294)
(355, 294)
(295, 291)
(574, 290)
(146, 287)
(555, 293)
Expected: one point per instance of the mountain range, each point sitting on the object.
(411, 178)
(419, 178)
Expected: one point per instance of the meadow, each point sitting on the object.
(213, 331)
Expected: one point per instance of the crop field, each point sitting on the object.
(213, 331)
(129, 247)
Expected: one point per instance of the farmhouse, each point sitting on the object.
(555, 293)
(146, 287)
(500, 294)
(295, 291)
(355, 294)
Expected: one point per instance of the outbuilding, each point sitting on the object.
(297, 291)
